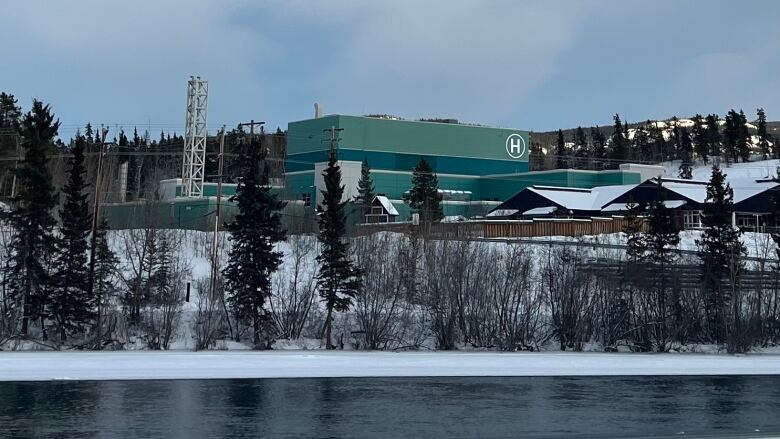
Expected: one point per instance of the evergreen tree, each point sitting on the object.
(338, 280)
(764, 139)
(661, 238)
(633, 229)
(424, 197)
(659, 149)
(731, 136)
(71, 305)
(536, 156)
(714, 137)
(619, 143)
(720, 252)
(700, 138)
(10, 112)
(599, 147)
(642, 144)
(106, 263)
(89, 134)
(365, 195)
(560, 152)
(686, 154)
(743, 137)
(254, 232)
(33, 244)
(663, 234)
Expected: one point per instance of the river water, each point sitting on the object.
(393, 407)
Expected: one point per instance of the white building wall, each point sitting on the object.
(350, 175)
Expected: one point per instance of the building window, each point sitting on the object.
(377, 210)
(306, 197)
(747, 222)
(692, 219)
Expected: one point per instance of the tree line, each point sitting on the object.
(380, 291)
(702, 138)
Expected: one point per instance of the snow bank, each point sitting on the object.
(45, 366)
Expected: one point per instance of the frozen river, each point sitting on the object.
(401, 407)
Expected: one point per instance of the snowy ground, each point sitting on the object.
(45, 366)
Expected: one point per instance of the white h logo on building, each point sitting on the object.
(515, 146)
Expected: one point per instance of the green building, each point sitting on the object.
(478, 167)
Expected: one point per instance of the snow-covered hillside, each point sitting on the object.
(736, 173)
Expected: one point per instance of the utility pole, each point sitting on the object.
(215, 243)
(93, 237)
(251, 124)
(334, 140)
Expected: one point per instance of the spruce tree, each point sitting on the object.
(619, 143)
(743, 137)
(560, 152)
(71, 305)
(365, 195)
(106, 263)
(10, 112)
(254, 232)
(33, 243)
(700, 138)
(661, 239)
(764, 139)
(599, 147)
(642, 144)
(424, 197)
(663, 234)
(720, 251)
(635, 241)
(714, 137)
(685, 151)
(338, 280)
(731, 137)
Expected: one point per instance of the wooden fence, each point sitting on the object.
(508, 228)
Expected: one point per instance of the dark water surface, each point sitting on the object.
(393, 407)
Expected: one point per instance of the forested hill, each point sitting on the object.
(549, 137)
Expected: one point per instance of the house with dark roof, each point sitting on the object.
(752, 201)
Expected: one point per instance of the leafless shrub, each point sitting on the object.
(294, 286)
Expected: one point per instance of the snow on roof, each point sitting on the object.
(673, 204)
(685, 123)
(620, 207)
(453, 219)
(502, 212)
(750, 126)
(450, 191)
(615, 207)
(697, 190)
(386, 204)
(540, 210)
(582, 199)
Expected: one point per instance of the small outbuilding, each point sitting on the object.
(382, 211)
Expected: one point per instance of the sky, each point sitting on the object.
(510, 63)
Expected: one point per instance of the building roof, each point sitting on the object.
(386, 204)
(579, 198)
(696, 190)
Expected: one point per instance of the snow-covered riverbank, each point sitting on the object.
(44, 366)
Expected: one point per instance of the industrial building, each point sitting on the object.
(477, 167)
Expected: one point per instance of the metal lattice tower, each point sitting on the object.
(195, 133)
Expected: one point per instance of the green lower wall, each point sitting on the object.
(407, 162)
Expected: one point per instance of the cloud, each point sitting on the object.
(125, 62)
(466, 59)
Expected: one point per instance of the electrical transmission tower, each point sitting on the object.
(195, 133)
